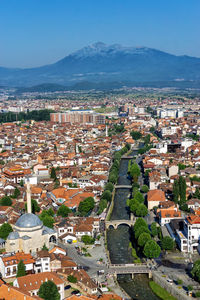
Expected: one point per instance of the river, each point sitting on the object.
(118, 242)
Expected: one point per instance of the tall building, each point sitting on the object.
(78, 116)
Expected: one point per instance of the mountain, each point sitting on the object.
(107, 63)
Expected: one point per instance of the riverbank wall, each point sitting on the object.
(172, 289)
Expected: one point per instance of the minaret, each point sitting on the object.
(28, 196)
(106, 130)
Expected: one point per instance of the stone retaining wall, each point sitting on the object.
(172, 289)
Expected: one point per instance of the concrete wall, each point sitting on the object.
(172, 289)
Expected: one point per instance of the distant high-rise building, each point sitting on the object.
(78, 116)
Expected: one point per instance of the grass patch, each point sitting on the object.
(160, 292)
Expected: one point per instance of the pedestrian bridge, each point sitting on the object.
(123, 187)
(117, 269)
(116, 223)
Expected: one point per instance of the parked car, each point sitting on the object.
(67, 287)
(170, 281)
(75, 292)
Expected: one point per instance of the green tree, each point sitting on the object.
(138, 197)
(196, 270)
(63, 211)
(147, 139)
(167, 243)
(135, 172)
(140, 222)
(182, 190)
(134, 190)
(113, 177)
(49, 291)
(197, 294)
(88, 240)
(190, 287)
(44, 247)
(176, 191)
(144, 188)
(34, 205)
(47, 220)
(107, 195)
(5, 201)
(86, 206)
(72, 278)
(53, 173)
(140, 230)
(5, 229)
(21, 183)
(143, 238)
(16, 193)
(141, 210)
(50, 212)
(154, 230)
(151, 249)
(109, 186)
(136, 135)
(102, 206)
(133, 204)
(21, 269)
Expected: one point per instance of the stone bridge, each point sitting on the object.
(117, 269)
(116, 223)
(123, 187)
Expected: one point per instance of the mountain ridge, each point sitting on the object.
(100, 62)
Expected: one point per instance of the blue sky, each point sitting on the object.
(38, 32)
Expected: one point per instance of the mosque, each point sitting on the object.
(29, 234)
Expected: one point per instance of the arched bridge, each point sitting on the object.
(116, 223)
(123, 187)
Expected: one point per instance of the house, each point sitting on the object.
(10, 293)
(154, 197)
(8, 264)
(84, 280)
(57, 250)
(68, 236)
(42, 262)
(166, 215)
(193, 204)
(31, 283)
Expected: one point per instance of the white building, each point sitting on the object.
(9, 263)
(42, 262)
(171, 130)
(188, 239)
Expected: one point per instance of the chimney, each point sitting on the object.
(28, 196)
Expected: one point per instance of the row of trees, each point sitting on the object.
(179, 192)
(143, 237)
(112, 179)
(134, 170)
(136, 204)
(145, 241)
(114, 170)
(105, 197)
(37, 115)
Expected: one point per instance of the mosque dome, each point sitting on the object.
(13, 235)
(28, 220)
